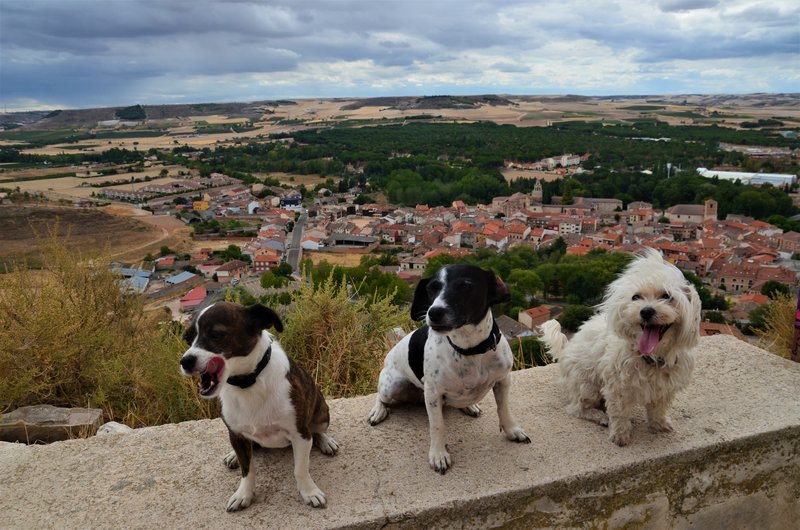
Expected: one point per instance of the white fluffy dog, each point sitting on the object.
(635, 350)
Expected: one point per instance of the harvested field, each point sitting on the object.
(334, 258)
(294, 179)
(88, 231)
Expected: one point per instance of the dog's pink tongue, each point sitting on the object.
(649, 340)
(215, 365)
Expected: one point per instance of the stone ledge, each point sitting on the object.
(732, 463)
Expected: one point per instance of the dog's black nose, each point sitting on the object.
(647, 313)
(437, 314)
(187, 362)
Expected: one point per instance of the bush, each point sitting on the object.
(70, 337)
(776, 329)
(528, 352)
(341, 343)
(573, 316)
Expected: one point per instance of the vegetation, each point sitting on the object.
(775, 289)
(70, 337)
(134, 112)
(773, 323)
(341, 342)
(366, 281)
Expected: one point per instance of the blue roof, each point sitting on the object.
(129, 272)
(137, 284)
(180, 278)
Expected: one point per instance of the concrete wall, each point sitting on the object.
(732, 463)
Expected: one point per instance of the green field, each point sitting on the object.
(643, 107)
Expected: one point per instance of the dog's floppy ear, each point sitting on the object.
(421, 302)
(262, 317)
(191, 333)
(498, 292)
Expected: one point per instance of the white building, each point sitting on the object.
(757, 179)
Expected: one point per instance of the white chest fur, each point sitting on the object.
(465, 380)
(262, 412)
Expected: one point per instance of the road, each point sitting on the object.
(295, 251)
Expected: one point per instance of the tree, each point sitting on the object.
(165, 250)
(573, 316)
(773, 288)
(525, 281)
(362, 199)
(269, 280)
(233, 252)
(284, 269)
(715, 317)
(567, 197)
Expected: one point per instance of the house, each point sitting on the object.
(413, 263)
(708, 329)
(232, 269)
(693, 213)
(534, 317)
(265, 261)
(511, 329)
(311, 243)
(193, 299)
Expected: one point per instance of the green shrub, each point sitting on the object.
(70, 337)
(340, 342)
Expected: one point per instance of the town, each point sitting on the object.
(271, 225)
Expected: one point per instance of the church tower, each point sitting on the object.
(710, 210)
(537, 194)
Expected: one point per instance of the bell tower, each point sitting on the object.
(537, 194)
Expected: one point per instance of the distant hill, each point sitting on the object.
(429, 102)
(564, 104)
(80, 118)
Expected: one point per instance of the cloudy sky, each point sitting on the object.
(91, 53)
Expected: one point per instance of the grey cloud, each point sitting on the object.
(106, 50)
(686, 5)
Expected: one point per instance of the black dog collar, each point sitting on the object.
(489, 344)
(658, 362)
(248, 380)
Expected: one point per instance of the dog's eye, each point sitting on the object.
(434, 286)
(464, 284)
(636, 297)
(216, 334)
(665, 296)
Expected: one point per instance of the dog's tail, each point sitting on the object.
(553, 338)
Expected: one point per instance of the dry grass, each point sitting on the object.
(340, 342)
(70, 337)
(778, 333)
(83, 230)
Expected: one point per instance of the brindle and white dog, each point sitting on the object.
(266, 398)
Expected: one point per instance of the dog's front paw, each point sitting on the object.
(230, 460)
(472, 410)
(621, 439)
(378, 413)
(313, 497)
(239, 500)
(439, 460)
(516, 434)
(661, 426)
(326, 444)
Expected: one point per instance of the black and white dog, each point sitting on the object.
(454, 359)
(266, 398)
